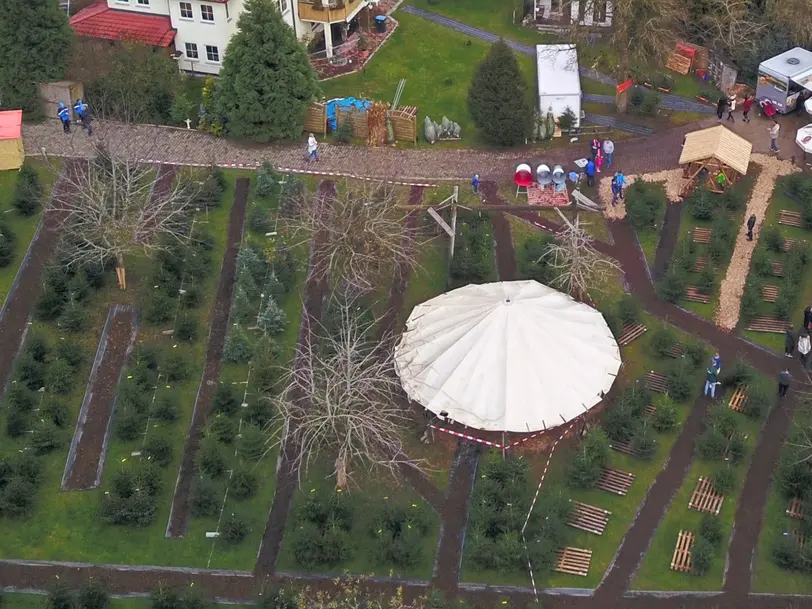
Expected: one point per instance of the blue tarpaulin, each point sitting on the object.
(347, 102)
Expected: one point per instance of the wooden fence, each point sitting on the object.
(316, 119)
(404, 122)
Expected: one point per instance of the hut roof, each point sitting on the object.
(720, 143)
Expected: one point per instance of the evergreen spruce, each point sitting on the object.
(497, 99)
(267, 80)
(272, 319)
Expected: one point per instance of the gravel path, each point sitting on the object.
(732, 288)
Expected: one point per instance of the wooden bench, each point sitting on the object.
(795, 509)
(588, 518)
(790, 218)
(573, 561)
(630, 332)
(624, 448)
(615, 481)
(705, 498)
(769, 293)
(681, 561)
(699, 266)
(777, 268)
(694, 295)
(702, 235)
(768, 324)
(738, 399)
(656, 382)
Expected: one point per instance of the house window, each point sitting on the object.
(599, 15)
(207, 12)
(143, 2)
(212, 54)
(186, 10)
(191, 50)
(283, 6)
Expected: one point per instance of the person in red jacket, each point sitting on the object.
(748, 103)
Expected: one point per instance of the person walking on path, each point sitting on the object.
(720, 107)
(590, 173)
(784, 378)
(789, 343)
(730, 109)
(608, 151)
(599, 160)
(620, 180)
(64, 115)
(807, 316)
(312, 148)
(804, 346)
(475, 183)
(711, 380)
(774, 136)
(751, 224)
(748, 103)
(594, 147)
(716, 362)
(616, 191)
(83, 114)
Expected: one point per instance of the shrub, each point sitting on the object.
(56, 412)
(772, 238)
(628, 309)
(129, 425)
(17, 498)
(267, 181)
(272, 319)
(36, 347)
(165, 598)
(787, 554)
(584, 472)
(740, 373)
(662, 340)
(20, 398)
(665, 418)
(210, 460)
(701, 556)
(204, 500)
(711, 445)
(259, 220)
(672, 287)
(706, 281)
(71, 352)
(751, 300)
(176, 367)
(158, 450)
(60, 376)
(237, 348)
(45, 439)
(695, 353)
(684, 257)
(27, 467)
(758, 402)
(618, 422)
(186, 329)
(222, 429)
(191, 297)
(165, 407)
(722, 240)
(31, 372)
(93, 596)
(258, 412)
(73, 318)
(344, 132)
(702, 205)
(60, 597)
(761, 263)
(251, 444)
(724, 480)
(233, 530)
(644, 444)
(679, 382)
(16, 424)
(226, 400)
(710, 529)
(7, 241)
(137, 510)
(244, 483)
(645, 202)
(160, 307)
(532, 263)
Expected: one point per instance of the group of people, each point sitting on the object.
(601, 152)
(81, 111)
(729, 104)
(712, 375)
(784, 376)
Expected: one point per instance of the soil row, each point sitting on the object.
(85, 463)
(179, 514)
(505, 253)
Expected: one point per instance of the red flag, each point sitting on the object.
(625, 85)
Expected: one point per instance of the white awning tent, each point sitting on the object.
(511, 356)
(559, 81)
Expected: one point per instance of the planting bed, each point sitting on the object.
(646, 206)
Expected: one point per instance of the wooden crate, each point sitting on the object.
(778, 269)
(768, 324)
(795, 509)
(705, 498)
(738, 399)
(656, 382)
(679, 64)
(681, 561)
(588, 518)
(615, 481)
(702, 235)
(316, 119)
(630, 333)
(790, 218)
(624, 448)
(769, 293)
(700, 264)
(573, 561)
(694, 295)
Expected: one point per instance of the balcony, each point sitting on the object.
(329, 11)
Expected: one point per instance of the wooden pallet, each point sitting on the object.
(615, 481)
(675, 351)
(705, 498)
(624, 448)
(700, 264)
(788, 243)
(630, 333)
(681, 561)
(799, 537)
(738, 399)
(702, 235)
(768, 324)
(769, 293)
(694, 295)
(679, 64)
(573, 561)
(650, 410)
(778, 269)
(795, 509)
(588, 518)
(790, 218)
(656, 382)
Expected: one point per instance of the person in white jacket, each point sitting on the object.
(804, 346)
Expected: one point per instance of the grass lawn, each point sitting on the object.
(778, 202)
(655, 573)
(437, 63)
(22, 227)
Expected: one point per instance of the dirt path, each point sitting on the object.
(287, 474)
(505, 254)
(83, 469)
(668, 240)
(179, 514)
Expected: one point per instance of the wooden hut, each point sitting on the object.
(12, 154)
(709, 153)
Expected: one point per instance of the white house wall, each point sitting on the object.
(544, 10)
(155, 7)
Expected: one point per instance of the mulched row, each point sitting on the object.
(505, 253)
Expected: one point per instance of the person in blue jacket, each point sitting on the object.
(590, 172)
(64, 115)
(83, 114)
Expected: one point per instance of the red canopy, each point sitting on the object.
(11, 124)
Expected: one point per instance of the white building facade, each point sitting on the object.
(593, 13)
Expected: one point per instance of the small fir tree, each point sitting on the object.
(267, 80)
(272, 319)
(497, 98)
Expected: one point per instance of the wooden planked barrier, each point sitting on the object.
(789, 243)
(588, 518)
(656, 382)
(615, 481)
(699, 266)
(705, 498)
(702, 235)
(769, 293)
(573, 561)
(694, 295)
(404, 122)
(681, 561)
(738, 399)
(795, 509)
(768, 324)
(777, 268)
(650, 410)
(630, 333)
(316, 118)
(790, 218)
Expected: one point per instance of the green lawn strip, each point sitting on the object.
(438, 64)
(655, 572)
(368, 494)
(22, 600)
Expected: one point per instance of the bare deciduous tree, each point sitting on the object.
(111, 206)
(363, 233)
(792, 15)
(578, 266)
(727, 25)
(342, 399)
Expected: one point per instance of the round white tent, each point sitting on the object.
(512, 356)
